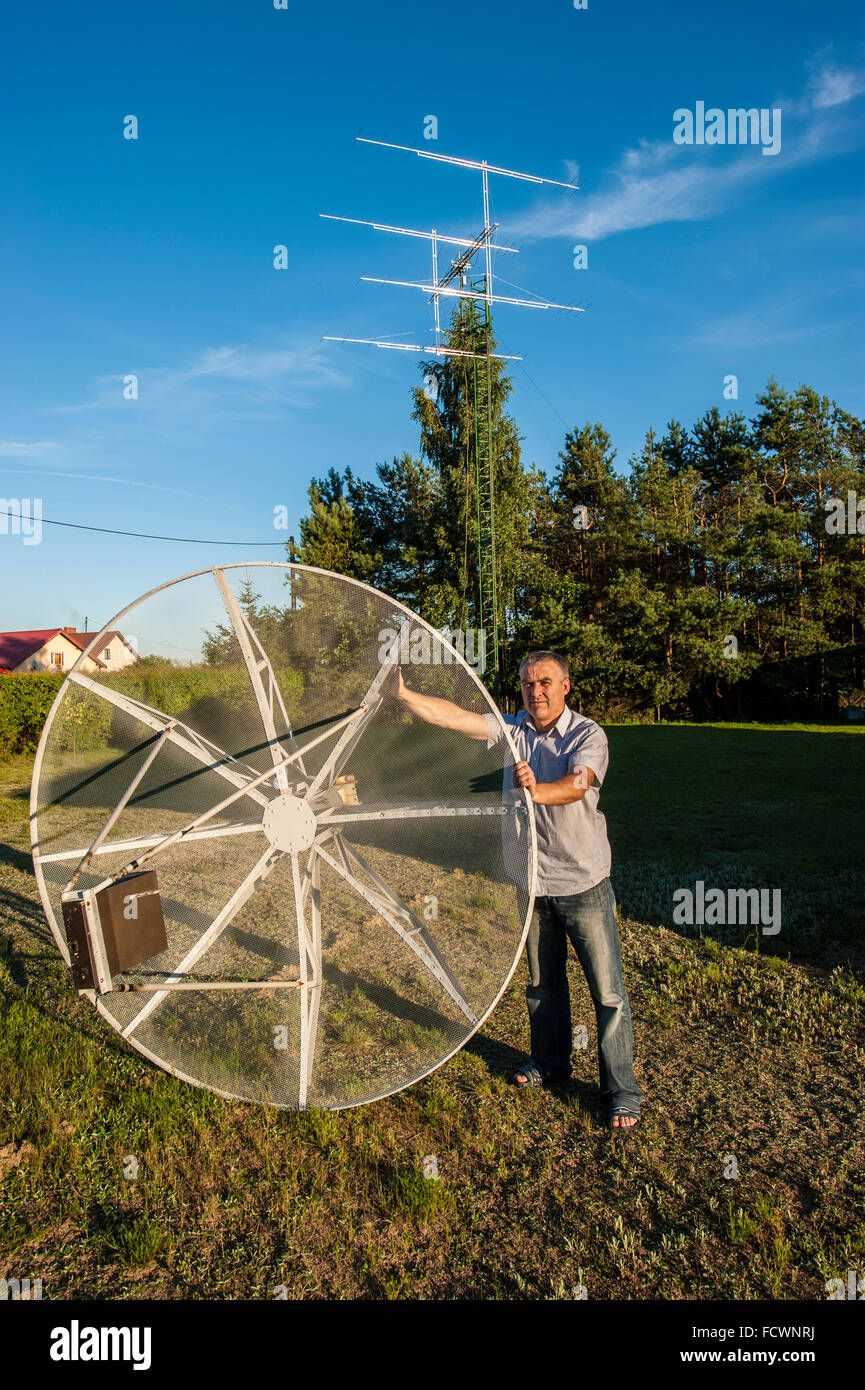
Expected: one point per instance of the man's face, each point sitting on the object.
(544, 691)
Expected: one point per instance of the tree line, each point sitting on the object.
(721, 574)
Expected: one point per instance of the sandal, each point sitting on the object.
(535, 1075)
(618, 1113)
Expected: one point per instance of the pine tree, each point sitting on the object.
(331, 537)
(452, 414)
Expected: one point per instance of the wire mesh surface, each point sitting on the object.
(350, 917)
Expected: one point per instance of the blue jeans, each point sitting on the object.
(589, 921)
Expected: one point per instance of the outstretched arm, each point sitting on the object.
(432, 710)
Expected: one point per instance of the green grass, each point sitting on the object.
(744, 1053)
(743, 806)
(712, 794)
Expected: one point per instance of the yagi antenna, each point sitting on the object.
(410, 231)
(431, 349)
(483, 242)
(468, 163)
(474, 294)
(437, 287)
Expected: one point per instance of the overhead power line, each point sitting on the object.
(143, 535)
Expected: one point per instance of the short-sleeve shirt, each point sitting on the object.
(573, 849)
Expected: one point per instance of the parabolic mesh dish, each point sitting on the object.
(346, 889)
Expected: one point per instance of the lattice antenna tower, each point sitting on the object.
(442, 286)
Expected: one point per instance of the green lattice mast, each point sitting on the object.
(485, 474)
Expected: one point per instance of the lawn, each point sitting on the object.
(745, 1179)
(744, 806)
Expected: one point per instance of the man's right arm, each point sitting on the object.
(432, 710)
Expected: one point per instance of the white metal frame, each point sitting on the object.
(262, 788)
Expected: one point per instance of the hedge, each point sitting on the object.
(24, 704)
(218, 696)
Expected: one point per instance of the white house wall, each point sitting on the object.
(40, 660)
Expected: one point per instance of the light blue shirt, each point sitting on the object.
(573, 849)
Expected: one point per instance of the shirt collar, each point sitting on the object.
(559, 727)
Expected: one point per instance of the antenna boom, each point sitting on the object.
(474, 294)
(435, 351)
(468, 163)
(410, 231)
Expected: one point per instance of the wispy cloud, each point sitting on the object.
(645, 192)
(247, 378)
(105, 478)
(753, 329)
(572, 170)
(306, 364)
(10, 448)
(659, 181)
(834, 86)
(776, 318)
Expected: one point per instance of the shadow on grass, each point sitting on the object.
(23, 912)
(820, 917)
(502, 1061)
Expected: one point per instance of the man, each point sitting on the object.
(562, 764)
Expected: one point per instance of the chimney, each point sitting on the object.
(68, 629)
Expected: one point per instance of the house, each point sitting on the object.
(58, 648)
(114, 651)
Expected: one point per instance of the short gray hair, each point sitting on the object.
(546, 656)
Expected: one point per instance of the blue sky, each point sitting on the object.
(154, 256)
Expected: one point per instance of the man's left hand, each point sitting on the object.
(524, 777)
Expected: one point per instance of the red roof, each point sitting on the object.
(83, 639)
(15, 647)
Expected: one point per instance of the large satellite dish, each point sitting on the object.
(266, 874)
